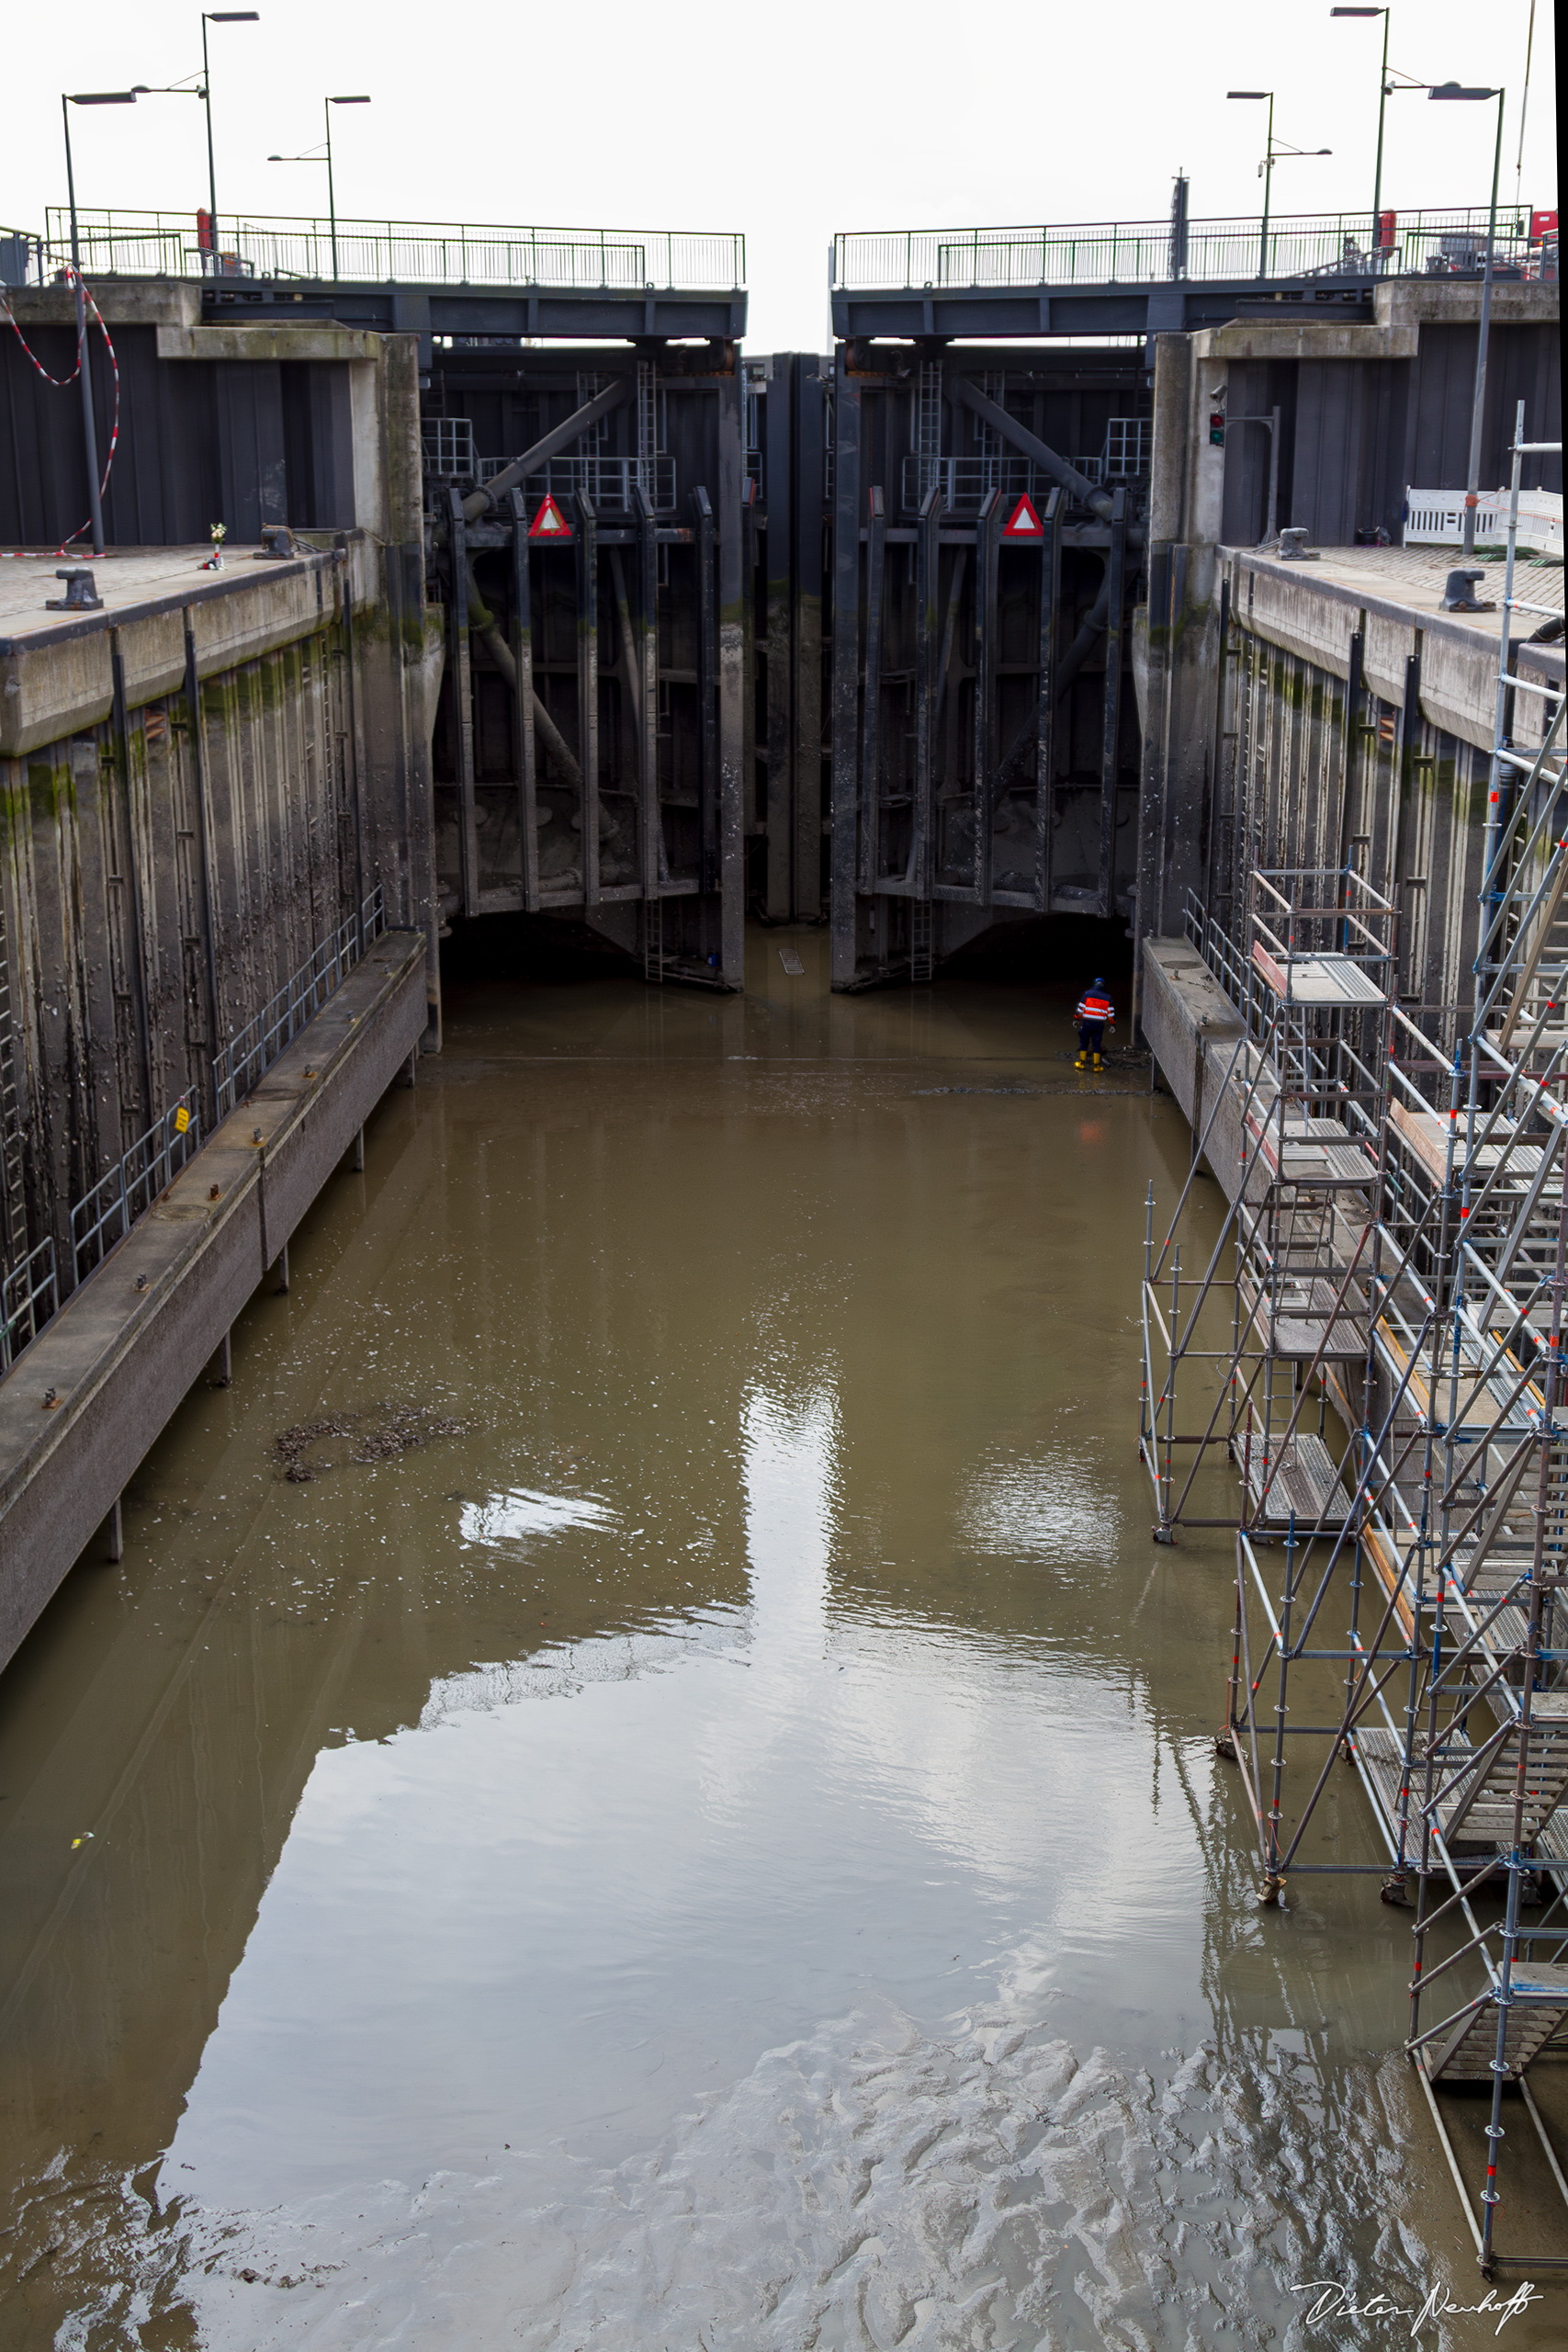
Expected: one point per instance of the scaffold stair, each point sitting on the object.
(1481, 1808)
(1297, 1317)
(1535, 949)
(1538, 2004)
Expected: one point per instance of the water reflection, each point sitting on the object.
(745, 1775)
(1048, 1510)
(515, 1518)
(790, 1451)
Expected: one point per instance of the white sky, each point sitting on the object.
(786, 121)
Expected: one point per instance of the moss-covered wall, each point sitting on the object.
(1312, 778)
(165, 873)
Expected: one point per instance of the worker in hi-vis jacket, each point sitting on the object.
(1094, 1015)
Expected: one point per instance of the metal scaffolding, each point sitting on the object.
(1394, 1258)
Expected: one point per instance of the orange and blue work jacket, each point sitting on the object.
(1095, 1010)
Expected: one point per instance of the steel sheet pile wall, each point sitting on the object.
(167, 866)
(589, 752)
(983, 727)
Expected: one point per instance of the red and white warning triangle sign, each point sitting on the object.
(1023, 523)
(549, 523)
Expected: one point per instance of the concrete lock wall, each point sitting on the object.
(84, 1403)
(1353, 726)
(199, 785)
(1260, 687)
(204, 783)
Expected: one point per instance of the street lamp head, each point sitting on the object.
(216, 16)
(1250, 94)
(102, 97)
(348, 102)
(1459, 90)
(1358, 12)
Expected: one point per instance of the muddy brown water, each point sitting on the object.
(720, 1844)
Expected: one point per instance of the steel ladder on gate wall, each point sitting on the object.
(13, 1195)
(647, 422)
(922, 940)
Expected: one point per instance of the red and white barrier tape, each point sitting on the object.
(70, 274)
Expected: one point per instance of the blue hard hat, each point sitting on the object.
(1100, 984)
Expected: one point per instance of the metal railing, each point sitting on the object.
(1129, 448)
(448, 448)
(1304, 913)
(606, 482)
(965, 481)
(19, 257)
(28, 1297)
(247, 1057)
(1109, 253)
(29, 1293)
(1435, 518)
(106, 1215)
(411, 253)
(1219, 952)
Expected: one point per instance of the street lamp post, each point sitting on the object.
(1472, 481)
(68, 99)
(216, 16)
(311, 157)
(1272, 155)
(1383, 100)
(89, 427)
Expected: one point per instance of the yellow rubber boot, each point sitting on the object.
(1097, 1063)
(1082, 1062)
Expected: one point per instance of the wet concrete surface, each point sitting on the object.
(716, 1839)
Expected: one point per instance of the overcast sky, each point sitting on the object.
(787, 122)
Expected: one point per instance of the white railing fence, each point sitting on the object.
(1435, 518)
